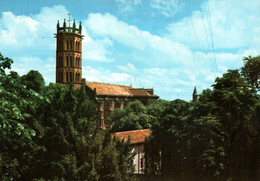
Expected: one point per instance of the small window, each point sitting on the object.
(61, 61)
(61, 76)
(70, 60)
(67, 77)
(71, 78)
(67, 61)
(78, 77)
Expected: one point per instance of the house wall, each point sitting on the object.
(139, 158)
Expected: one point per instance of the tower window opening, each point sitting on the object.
(67, 61)
(71, 77)
(61, 45)
(71, 48)
(68, 44)
(61, 77)
(71, 61)
(67, 76)
(61, 61)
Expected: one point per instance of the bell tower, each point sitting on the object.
(68, 54)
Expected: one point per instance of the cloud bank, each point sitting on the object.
(115, 51)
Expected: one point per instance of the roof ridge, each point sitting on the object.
(109, 84)
(141, 88)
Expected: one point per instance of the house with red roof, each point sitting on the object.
(137, 139)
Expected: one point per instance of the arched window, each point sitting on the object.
(71, 45)
(70, 60)
(58, 62)
(67, 76)
(60, 77)
(67, 61)
(67, 44)
(61, 61)
(61, 45)
(71, 77)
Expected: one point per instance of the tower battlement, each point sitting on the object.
(68, 29)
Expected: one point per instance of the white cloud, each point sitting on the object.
(167, 8)
(178, 90)
(172, 63)
(30, 34)
(166, 64)
(235, 25)
(104, 75)
(127, 6)
(10, 36)
(109, 25)
(157, 48)
(127, 68)
(97, 50)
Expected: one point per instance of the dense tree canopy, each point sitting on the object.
(251, 70)
(133, 117)
(51, 133)
(214, 138)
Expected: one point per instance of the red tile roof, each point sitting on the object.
(119, 90)
(109, 89)
(136, 136)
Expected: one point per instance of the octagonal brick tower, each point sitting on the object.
(68, 54)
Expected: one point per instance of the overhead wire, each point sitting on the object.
(211, 33)
(199, 47)
(206, 36)
(209, 36)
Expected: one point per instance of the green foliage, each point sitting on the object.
(33, 80)
(18, 127)
(251, 70)
(133, 117)
(5, 63)
(214, 138)
(51, 133)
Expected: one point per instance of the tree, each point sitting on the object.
(251, 70)
(133, 117)
(234, 104)
(213, 138)
(33, 80)
(18, 115)
(53, 134)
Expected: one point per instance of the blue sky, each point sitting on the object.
(168, 45)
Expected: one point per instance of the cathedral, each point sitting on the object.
(69, 71)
